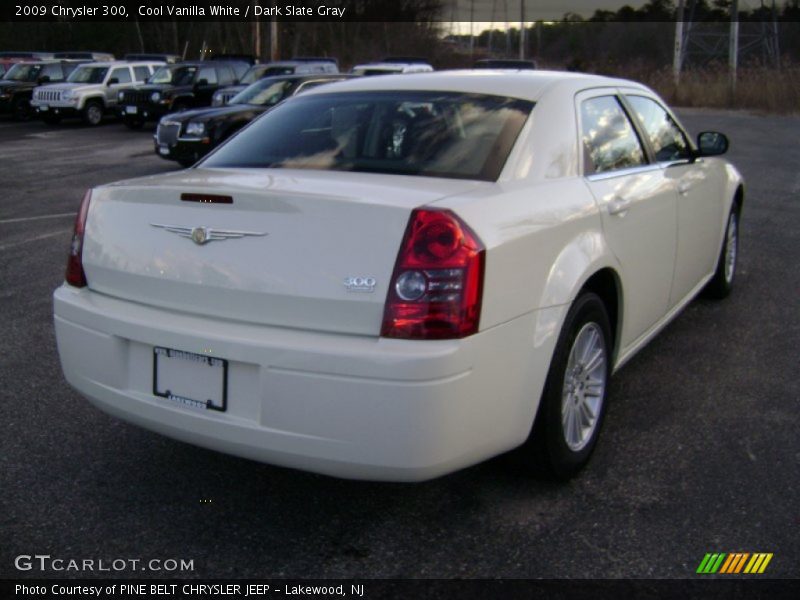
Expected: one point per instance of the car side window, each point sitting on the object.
(209, 74)
(142, 73)
(609, 139)
(226, 75)
(53, 71)
(123, 75)
(666, 138)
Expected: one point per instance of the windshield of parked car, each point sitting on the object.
(266, 92)
(88, 75)
(22, 72)
(173, 75)
(434, 134)
(253, 74)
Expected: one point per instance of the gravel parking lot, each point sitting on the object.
(700, 451)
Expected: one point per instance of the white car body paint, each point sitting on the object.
(312, 385)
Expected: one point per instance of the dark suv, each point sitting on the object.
(177, 87)
(17, 85)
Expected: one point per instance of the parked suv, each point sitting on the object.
(174, 88)
(90, 91)
(296, 66)
(16, 87)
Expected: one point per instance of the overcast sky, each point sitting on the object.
(534, 9)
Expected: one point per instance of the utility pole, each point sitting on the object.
(471, 29)
(274, 48)
(677, 58)
(522, 29)
(733, 49)
(256, 37)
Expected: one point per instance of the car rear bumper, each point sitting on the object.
(349, 406)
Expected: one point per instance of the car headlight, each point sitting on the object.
(155, 97)
(216, 100)
(195, 129)
(66, 95)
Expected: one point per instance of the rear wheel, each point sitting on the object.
(573, 403)
(93, 113)
(721, 284)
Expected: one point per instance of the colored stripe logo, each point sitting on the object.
(734, 563)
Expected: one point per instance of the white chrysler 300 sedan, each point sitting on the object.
(396, 277)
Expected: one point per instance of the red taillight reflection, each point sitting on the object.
(75, 274)
(436, 288)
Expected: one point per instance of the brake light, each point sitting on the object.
(75, 274)
(437, 284)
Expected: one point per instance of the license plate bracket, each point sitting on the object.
(192, 380)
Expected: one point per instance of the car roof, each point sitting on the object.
(121, 63)
(527, 84)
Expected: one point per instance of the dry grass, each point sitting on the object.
(757, 88)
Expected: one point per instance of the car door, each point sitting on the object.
(205, 86)
(637, 206)
(697, 189)
(124, 79)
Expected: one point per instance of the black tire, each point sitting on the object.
(133, 122)
(22, 109)
(721, 284)
(547, 444)
(51, 119)
(92, 113)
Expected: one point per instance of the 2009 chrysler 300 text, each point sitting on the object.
(396, 277)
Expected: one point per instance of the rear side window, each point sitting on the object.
(122, 75)
(226, 75)
(53, 71)
(434, 134)
(609, 140)
(665, 136)
(142, 73)
(209, 74)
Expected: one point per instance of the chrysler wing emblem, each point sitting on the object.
(203, 235)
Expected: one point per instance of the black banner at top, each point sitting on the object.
(223, 10)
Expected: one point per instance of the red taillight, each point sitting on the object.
(75, 274)
(436, 288)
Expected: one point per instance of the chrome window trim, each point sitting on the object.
(624, 172)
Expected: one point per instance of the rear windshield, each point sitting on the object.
(435, 134)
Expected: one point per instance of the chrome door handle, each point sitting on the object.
(619, 206)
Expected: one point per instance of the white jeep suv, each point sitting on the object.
(90, 91)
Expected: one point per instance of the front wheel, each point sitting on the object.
(93, 113)
(721, 283)
(573, 403)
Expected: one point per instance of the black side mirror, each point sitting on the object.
(711, 143)
(201, 83)
(112, 81)
(43, 79)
